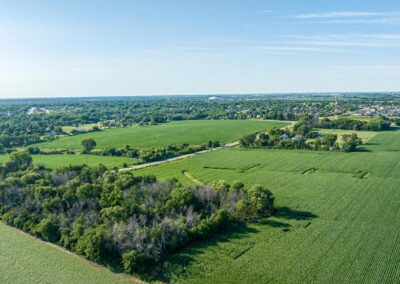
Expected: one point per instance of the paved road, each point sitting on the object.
(146, 165)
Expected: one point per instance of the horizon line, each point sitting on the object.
(333, 93)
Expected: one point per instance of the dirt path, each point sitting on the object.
(190, 177)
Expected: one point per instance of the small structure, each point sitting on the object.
(37, 110)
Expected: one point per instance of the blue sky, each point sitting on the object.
(100, 48)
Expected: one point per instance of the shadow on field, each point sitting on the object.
(177, 263)
(363, 149)
(285, 213)
(290, 214)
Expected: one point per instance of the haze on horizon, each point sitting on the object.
(124, 48)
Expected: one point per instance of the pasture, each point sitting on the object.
(25, 259)
(144, 137)
(55, 161)
(337, 222)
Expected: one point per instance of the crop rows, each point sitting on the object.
(336, 224)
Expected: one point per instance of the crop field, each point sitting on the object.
(338, 216)
(25, 259)
(190, 132)
(364, 135)
(55, 161)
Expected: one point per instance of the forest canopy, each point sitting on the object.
(120, 219)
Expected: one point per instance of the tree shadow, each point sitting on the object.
(276, 224)
(177, 263)
(291, 214)
(363, 149)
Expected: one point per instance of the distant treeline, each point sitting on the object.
(18, 128)
(376, 124)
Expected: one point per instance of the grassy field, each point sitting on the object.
(355, 117)
(338, 219)
(191, 132)
(25, 259)
(85, 127)
(54, 161)
(364, 135)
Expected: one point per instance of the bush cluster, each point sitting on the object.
(301, 137)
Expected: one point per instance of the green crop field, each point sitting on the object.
(54, 161)
(338, 218)
(25, 259)
(190, 132)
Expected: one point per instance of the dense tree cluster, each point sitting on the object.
(120, 219)
(377, 124)
(301, 137)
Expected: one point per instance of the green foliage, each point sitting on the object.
(93, 244)
(301, 137)
(132, 262)
(88, 144)
(350, 142)
(180, 197)
(247, 140)
(210, 226)
(260, 199)
(47, 229)
(18, 161)
(377, 124)
(118, 218)
(329, 139)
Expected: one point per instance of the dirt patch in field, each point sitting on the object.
(362, 175)
(219, 168)
(191, 178)
(249, 168)
(309, 171)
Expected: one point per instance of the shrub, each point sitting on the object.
(47, 229)
(92, 244)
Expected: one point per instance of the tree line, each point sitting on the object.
(376, 124)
